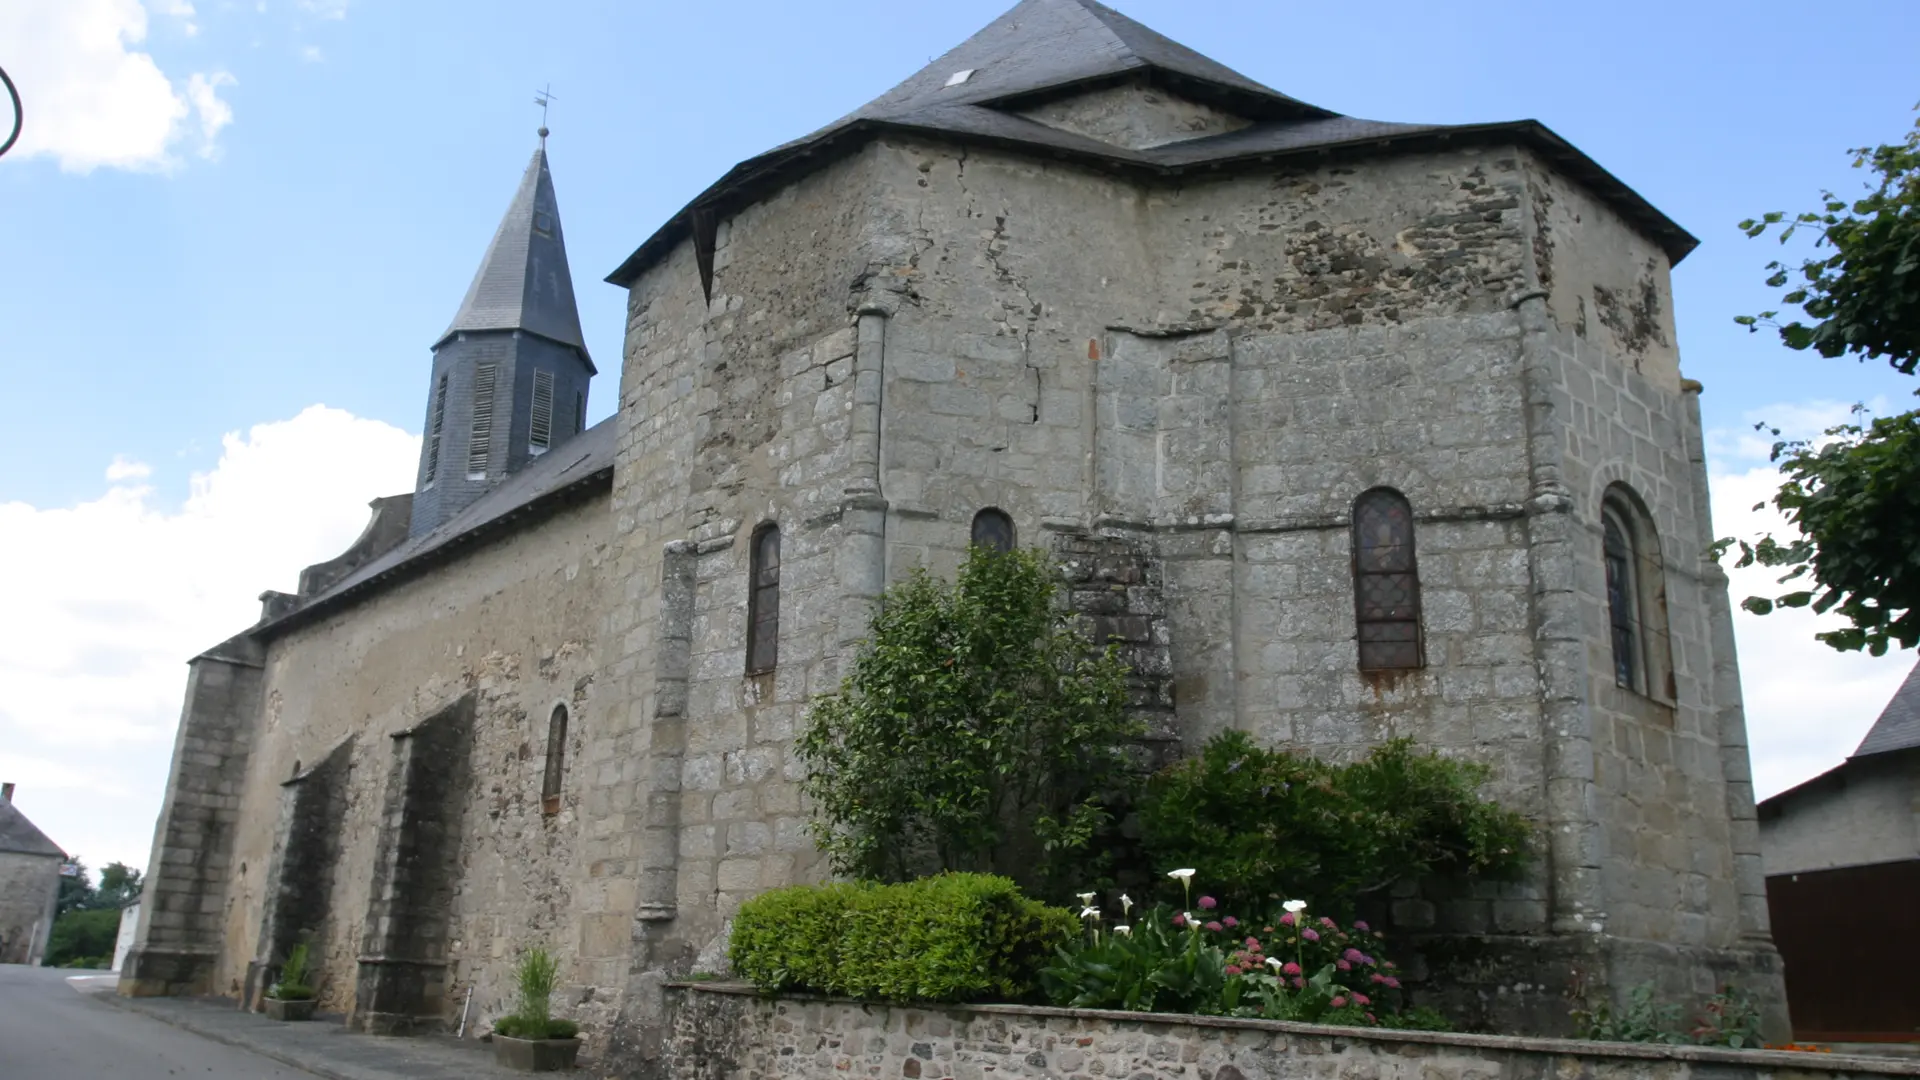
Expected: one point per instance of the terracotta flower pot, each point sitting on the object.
(535, 1055)
(290, 1010)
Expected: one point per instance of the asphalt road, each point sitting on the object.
(49, 1030)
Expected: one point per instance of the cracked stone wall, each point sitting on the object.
(514, 625)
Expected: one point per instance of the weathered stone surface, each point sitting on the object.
(722, 1031)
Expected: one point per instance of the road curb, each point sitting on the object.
(226, 1039)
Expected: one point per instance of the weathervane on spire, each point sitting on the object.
(542, 97)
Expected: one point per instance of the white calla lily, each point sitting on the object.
(1181, 875)
(1295, 906)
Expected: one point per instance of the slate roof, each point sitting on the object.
(1049, 48)
(1899, 725)
(17, 834)
(574, 469)
(523, 282)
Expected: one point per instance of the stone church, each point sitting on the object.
(1350, 429)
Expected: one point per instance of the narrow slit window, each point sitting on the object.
(1386, 582)
(993, 530)
(436, 428)
(579, 413)
(556, 760)
(540, 416)
(480, 441)
(763, 603)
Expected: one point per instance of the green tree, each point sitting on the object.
(1853, 495)
(979, 729)
(83, 938)
(119, 885)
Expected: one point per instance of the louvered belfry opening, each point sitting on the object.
(1386, 582)
(540, 416)
(436, 429)
(480, 442)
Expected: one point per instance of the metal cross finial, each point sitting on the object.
(542, 97)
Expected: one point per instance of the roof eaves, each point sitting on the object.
(744, 182)
(455, 546)
(575, 346)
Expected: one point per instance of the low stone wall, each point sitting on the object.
(725, 1030)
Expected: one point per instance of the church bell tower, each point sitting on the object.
(510, 374)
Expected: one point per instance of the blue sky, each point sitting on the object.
(226, 213)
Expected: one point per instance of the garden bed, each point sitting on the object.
(726, 1029)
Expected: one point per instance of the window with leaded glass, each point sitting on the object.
(556, 760)
(763, 603)
(1386, 582)
(1622, 596)
(993, 529)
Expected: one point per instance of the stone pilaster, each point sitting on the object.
(183, 905)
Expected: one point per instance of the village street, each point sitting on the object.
(49, 1030)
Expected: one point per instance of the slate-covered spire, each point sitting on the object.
(523, 282)
(510, 375)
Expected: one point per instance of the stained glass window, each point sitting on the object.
(763, 603)
(1621, 595)
(1386, 582)
(993, 529)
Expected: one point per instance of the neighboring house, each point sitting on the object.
(1349, 429)
(1842, 855)
(29, 884)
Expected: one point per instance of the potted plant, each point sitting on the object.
(529, 1038)
(290, 998)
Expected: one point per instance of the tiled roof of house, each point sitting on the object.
(1898, 727)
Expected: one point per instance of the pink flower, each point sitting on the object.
(1287, 919)
(1310, 935)
(1179, 920)
(1377, 977)
(1299, 984)
(1329, 923)
(1231, 922)
(1208, 903)
(1233, 969)
(1338, 1003)
(1214, 926)
(1291, 968)
(1388, 965)
(1361, 924)
(1254, 944)
(1372, 1019)
(1393, 982)
(1266, 929)
(1361, 999)
(1354, 956)
(1343, 965)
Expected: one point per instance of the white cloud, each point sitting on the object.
(311, 54)
(124, 590)
(1807, 705)
(92, 99)
(178, 9)
(214, 114)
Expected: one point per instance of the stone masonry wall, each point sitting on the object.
(28, 885)
(1210, 373)
(729, 1032)
(512, 627)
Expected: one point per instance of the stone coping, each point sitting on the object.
(1707, 1055)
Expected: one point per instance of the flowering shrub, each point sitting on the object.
(1278, 824)
(1197, 958)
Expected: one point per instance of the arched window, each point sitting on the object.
(1636, 596)
(1386, 582)
(556, 760)
(763, 602)
(993, 529)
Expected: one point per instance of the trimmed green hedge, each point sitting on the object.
(955, 937)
